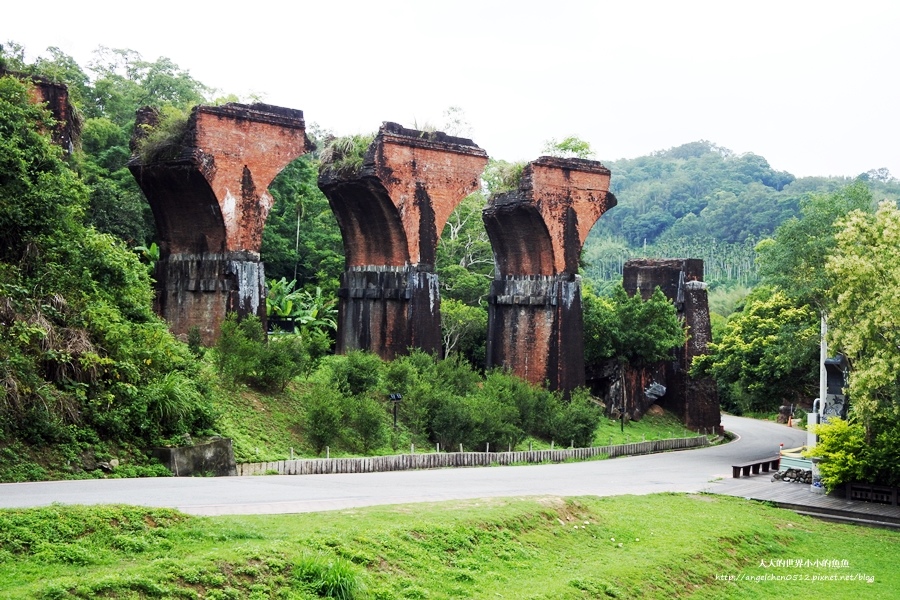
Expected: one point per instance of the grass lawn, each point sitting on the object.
(659, 546)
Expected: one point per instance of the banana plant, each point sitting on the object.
(304, 309)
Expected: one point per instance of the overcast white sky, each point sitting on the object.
(812, 86)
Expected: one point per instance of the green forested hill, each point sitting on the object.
(704, 201)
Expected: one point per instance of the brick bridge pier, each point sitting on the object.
(391, 213)
(695, 401)
(535, 321)
(208, 196)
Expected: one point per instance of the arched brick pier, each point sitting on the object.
(210, 203)
(391, 214)
(535, 321)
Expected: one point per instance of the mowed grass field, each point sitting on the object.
(658, 546)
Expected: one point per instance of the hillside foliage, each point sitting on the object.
(87, 364)
(84, 357)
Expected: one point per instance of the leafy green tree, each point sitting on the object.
(794, 259)
(125, 81)
(12, 57)
(415, 378)
(115, 84)
(464, 329)
(630, 329)
(569, 147)
(245, 354)
(302, 240)
(304, 310)
(767, 354)
(501, 176)
(575, 421)
(82, 352)
(39, 194)
(368, 419)
(356, 372)
(851, 453)
(864, 271)
(322, 417)
(642, 228)
(465, 260)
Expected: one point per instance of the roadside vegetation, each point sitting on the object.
(89, 375)
(306, 419)
(658, 546)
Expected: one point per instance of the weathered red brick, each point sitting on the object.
(535, 321)
(55, 96)
(210, 203)
(695, 401)
(391, 214)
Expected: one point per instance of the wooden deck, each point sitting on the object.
(799, 498)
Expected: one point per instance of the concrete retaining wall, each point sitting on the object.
(214, 457)
(404, 462)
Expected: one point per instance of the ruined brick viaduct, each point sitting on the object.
(535, 322)
(210, 203)
(391, 213)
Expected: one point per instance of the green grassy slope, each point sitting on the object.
(660, 546)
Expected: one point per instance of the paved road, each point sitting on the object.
(685, 471)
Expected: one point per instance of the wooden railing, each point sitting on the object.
(872, 493)
(440, 460)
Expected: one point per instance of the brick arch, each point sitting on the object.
(370, 224)
(520, 240)
(391, 212)
(188, 216)
(535, 325)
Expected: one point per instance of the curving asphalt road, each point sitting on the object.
(685, 471)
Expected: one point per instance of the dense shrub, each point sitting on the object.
(575, 421)
(356, 372)
(323, 417)
(443, 402)
(245, 355)
(82, 353)
(368, 420)
(630, 329)
(849, 456)
(454, 422)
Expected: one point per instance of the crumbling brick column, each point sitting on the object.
(55, 96)
(535, 321)
(695, 401)
(209, 199)
(391, 212)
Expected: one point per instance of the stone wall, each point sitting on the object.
(214, 457)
